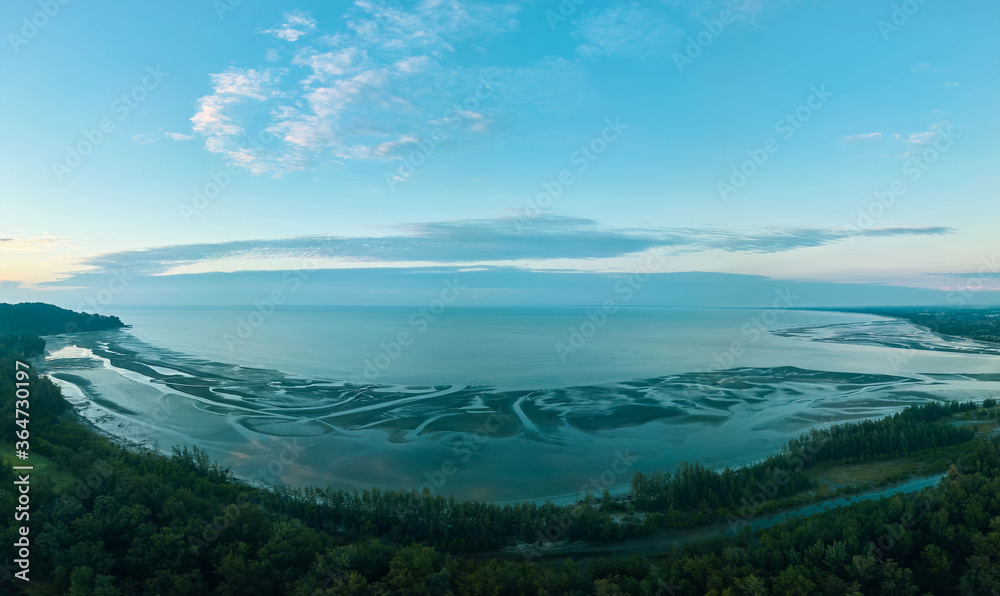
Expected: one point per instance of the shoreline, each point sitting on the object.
(406, 431)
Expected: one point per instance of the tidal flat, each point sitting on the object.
(520, 442)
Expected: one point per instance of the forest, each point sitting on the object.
(47, 319)
(106, 520)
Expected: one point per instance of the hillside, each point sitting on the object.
(47, 319)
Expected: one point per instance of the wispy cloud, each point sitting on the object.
(919, 140)
(985, 272)
(868, 136)
(236, 91)
(176, 136)
(626, 31)
(295, 25)
(147, 138)
(31, 244)
(928, 68)
(746, 9)
(486, 241)
(380, 78)
(143, 139)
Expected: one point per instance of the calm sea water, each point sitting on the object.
(544, 347)
(570, 391)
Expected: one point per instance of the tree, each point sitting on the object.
(81, 581)
(793, 581)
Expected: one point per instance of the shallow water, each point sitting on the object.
(482, 404)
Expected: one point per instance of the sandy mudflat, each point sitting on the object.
(497, 443)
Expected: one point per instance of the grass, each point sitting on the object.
(984, 420)
(43, 467)
(830, 477)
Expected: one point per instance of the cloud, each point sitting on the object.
(431, 26)
(626, 31)
(869, 136)
(380, 78)
(917, 141)
(486, 241)
(176, 136)
(988, 272)
(238, 95)
(33, 244)
(926, 231)
(296, 25)
(782, 240)
(746, 10)
(926, 67)
(493, 286)
(146, 138)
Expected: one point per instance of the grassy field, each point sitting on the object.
(43, 468)
(831, 477)
(873, 474)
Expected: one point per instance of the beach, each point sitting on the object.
(532, 439)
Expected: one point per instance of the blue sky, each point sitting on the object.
(520, 140)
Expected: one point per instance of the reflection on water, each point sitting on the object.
(909, 486)
(489, 410)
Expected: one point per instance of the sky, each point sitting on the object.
(541, 150)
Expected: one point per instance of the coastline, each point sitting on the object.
(275, 428)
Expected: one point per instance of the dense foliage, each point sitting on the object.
(46, 319)
(693, 496)
(108, 521)
(21, 345)
(710, 495)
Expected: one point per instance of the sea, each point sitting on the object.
(499, 404)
